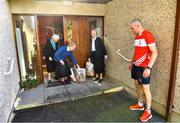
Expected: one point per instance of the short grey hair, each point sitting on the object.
(94, 30)
(137, 22)
(55, 36)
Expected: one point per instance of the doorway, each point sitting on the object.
(47, 26)
(32, 32)
(77, 29)
(27, 46)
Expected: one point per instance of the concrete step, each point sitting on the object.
(49, 95)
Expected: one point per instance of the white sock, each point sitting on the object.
(149, 111)
(140, 103)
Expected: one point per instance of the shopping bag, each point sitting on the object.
(89, 68)
(80, 74)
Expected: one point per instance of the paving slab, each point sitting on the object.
(54, 92)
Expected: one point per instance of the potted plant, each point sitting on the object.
(29, 82)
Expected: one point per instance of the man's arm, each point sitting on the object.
(154, 54)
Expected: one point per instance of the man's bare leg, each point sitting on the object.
(148, 96)
(139, 91)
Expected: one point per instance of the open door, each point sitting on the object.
(27, 46)
(47, 26)
(77, 30)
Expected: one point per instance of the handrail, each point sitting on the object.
(119, 53)
(11, 66)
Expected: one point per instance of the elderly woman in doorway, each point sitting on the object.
(48, 54)
(62, 69)
(98, 54)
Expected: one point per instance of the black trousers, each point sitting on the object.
(50, 65)
(62, 70)
(99, 65)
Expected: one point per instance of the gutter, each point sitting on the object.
(174, 63)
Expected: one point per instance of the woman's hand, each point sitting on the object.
(50, 59)
(106, 57)
(62, 62)
(77, 66)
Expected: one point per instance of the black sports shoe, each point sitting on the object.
(56, 78)
(95, 79)
(49, 81)
(63, 82)
(68, 81)
(100, 81)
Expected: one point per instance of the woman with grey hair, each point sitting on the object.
(98, 54)
(48, 53)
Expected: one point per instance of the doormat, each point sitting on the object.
(55, 83)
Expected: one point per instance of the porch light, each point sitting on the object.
(67, 2)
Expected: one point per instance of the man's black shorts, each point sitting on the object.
(137, 74)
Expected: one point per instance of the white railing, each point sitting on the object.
(118, 51)
(11, 60)
(11, 66)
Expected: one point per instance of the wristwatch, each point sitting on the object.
(148, 68)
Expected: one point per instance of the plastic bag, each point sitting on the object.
(80, 74)
(89, 68)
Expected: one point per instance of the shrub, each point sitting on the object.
(29, 82)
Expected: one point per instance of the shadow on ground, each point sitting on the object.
(110, 107)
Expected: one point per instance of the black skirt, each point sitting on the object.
(62, 70)
(99, 65)
(50, 65)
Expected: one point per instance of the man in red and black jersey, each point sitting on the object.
(145, 54)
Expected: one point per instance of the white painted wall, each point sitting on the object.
(9, 85)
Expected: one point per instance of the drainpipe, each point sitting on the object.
(174, 64)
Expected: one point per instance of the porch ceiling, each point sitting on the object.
(83, 1)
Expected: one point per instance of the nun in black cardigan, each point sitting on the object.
(98, 54)
(48, 52)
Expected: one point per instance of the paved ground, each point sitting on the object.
(111, 107)
(44, 94)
